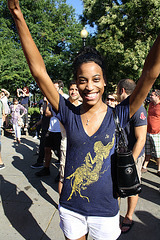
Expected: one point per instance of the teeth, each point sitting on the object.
(91, 95)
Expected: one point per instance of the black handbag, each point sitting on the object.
(127, 181)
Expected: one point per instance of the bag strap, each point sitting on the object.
(121, 144)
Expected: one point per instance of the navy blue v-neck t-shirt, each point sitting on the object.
(88, 187)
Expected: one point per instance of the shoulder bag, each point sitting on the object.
(127, 181)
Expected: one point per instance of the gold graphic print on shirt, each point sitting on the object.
(90, 171)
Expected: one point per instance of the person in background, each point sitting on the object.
(37, 126)
(53, 138)
(2, 114)
(52, 142)
(59, 85)
(44, 121)
(74, 96)
(111, 100)
(87, 204)
(4, 98)
(74, 99)
(135, 133)
(153, 131)
(23, 94)
(17, 112)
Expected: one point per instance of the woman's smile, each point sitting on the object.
(91, 96)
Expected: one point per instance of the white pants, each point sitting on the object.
(75, 225)
(17, 131)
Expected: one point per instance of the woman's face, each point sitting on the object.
(15, 102)
(90, 83)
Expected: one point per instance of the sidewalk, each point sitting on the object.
(28, 205)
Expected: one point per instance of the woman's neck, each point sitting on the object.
(92, 108)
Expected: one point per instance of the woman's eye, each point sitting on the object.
(96, 79)
(82, 80)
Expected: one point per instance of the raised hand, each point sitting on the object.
(13, 4)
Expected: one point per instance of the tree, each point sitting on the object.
(125, 32)
(56, 32)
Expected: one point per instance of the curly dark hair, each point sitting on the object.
(88, 54)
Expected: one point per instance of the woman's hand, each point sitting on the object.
(14, 8)
(13, 4)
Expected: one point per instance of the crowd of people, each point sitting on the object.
(80, 129)
(151, 143)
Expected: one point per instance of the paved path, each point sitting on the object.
(28, 205)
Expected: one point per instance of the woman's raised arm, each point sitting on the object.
(150, 73)
(33, 56)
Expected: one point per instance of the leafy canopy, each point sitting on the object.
(125, 32)
(56, 32)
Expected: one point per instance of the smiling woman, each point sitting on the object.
(87, 202)
(91, 84)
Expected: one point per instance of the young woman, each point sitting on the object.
(16, 110)
(87, 203)
(23, 94)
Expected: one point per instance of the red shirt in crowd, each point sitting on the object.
(153, 118)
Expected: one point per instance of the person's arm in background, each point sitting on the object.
(47, 108)
(24, 111)
(37, 123)
(140, 134)
(6, 92)
(25, 94)
(18, 92)
(48, 112)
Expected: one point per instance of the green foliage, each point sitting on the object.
(34, 114)
(56, 33)
(125, 32)
(32, 111)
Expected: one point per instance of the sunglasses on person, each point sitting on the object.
(157, 93)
